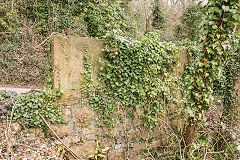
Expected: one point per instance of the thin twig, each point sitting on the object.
(148, 148)
(216, 152)
(73, 154)
(13, 108)
(206, 152)
(48, 38)
(10, 32)
(179, 142)
(227, 144)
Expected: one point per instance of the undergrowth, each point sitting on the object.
(25, 108)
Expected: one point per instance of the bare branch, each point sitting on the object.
(73, 154)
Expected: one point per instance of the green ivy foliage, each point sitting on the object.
(137, 75)
(224, 87)
(190, 23)
(206, 67)
(191, 81)
(37, 20)
(26, 108)
(9, 22)
(208, 74)
(102, 18)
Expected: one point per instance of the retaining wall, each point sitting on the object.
(81, 132)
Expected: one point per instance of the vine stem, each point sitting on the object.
(69, 149)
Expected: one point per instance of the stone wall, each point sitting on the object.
(125, 139)
(128, 138)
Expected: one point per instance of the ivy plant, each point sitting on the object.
(207, 67)
(25, 108)
(136, 75)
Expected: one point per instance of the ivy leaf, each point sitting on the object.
(235, 17)
(225, 19)
(106, 149)
(225, 8)
(199, 3)
(214, 26)
(235, 23)
(233, 11)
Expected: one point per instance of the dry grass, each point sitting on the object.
(22, 145)
(23, 61)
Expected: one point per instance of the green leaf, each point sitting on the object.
(233, 11)
(235, 23)
(91, 156)
(235, 17)
(214, 27)
(101, 155)
(225, 8)
(106, 149)
(225, 19)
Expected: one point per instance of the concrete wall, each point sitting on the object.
(67, 58)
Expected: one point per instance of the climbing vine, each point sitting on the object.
(136, 74)
(208, 65)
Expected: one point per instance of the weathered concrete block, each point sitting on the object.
(69, 97)
(36, 132)
(67, 58)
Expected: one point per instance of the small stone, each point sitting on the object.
(89, 133)
(82, 117)
(15, 127)
(155, 144)
(234, 136)
(139, 147)
(36, 131)
(238, 147)
(84, 150)
(133, 134)
(106, 142)
(118, 146)
(71, 140)
(3, 109)
(136, 157)
(139, 111)
(106, 131)
(14, 94)
(137, 122)
(116, 154)
(61, 130)
(115, 131)
(66, 114)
